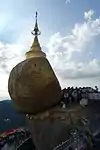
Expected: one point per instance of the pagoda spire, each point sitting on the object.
(36, 30)
(35, 50)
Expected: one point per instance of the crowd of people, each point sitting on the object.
(15, 138)
(79, 140)
(72, 94)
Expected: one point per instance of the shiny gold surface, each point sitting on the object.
(35, 50)
(33, 85)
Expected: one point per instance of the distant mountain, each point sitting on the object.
(9, 118)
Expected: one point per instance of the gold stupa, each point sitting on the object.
(33, 85)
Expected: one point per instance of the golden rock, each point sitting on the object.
(33, 86)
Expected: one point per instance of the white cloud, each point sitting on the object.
(10, 55)
(3, 86)
(60, 52)
(80, 70)
(81, 35)
(61, 49)
(88, 15)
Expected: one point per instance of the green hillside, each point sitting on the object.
(9, 118)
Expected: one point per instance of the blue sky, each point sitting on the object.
(70, 37)
(53, 15)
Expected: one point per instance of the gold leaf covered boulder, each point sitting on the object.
(33, 85)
